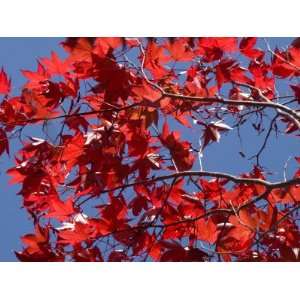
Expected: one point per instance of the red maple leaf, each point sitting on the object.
(5, 83)
(154, 60)
(212, 48)
(179, 150)
(60, 210)
(56, 66)
(247, 48)
(179, 49)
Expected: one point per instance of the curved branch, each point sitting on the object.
(235, 179)
(286, 111)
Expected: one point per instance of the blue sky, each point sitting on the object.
(21, 53)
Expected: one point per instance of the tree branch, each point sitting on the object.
(235, 179)
(288, 112)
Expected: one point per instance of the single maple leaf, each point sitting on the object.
(138, 204)
(212, 48)
(55, 66)
(280, 64)
(73, 149)
(60, 210)
(179, 49)
(206, 230)
(104, 45)
(37, 241)
(247, 48)
(143, 91)
(212, 131)
(34, 78)
(5, 83)
(80, 49)
(228, 70)
(154, 60)
(235, 238)
(79, 233)
(177, 192)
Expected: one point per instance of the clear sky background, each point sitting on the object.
(21, 53)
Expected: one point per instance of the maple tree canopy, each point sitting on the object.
(121, 182)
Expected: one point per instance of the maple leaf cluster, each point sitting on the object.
(123, 180)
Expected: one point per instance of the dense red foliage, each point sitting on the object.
(121, 182)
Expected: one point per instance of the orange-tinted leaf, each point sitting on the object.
(206, 230)
(80, 49)
(179, 49)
